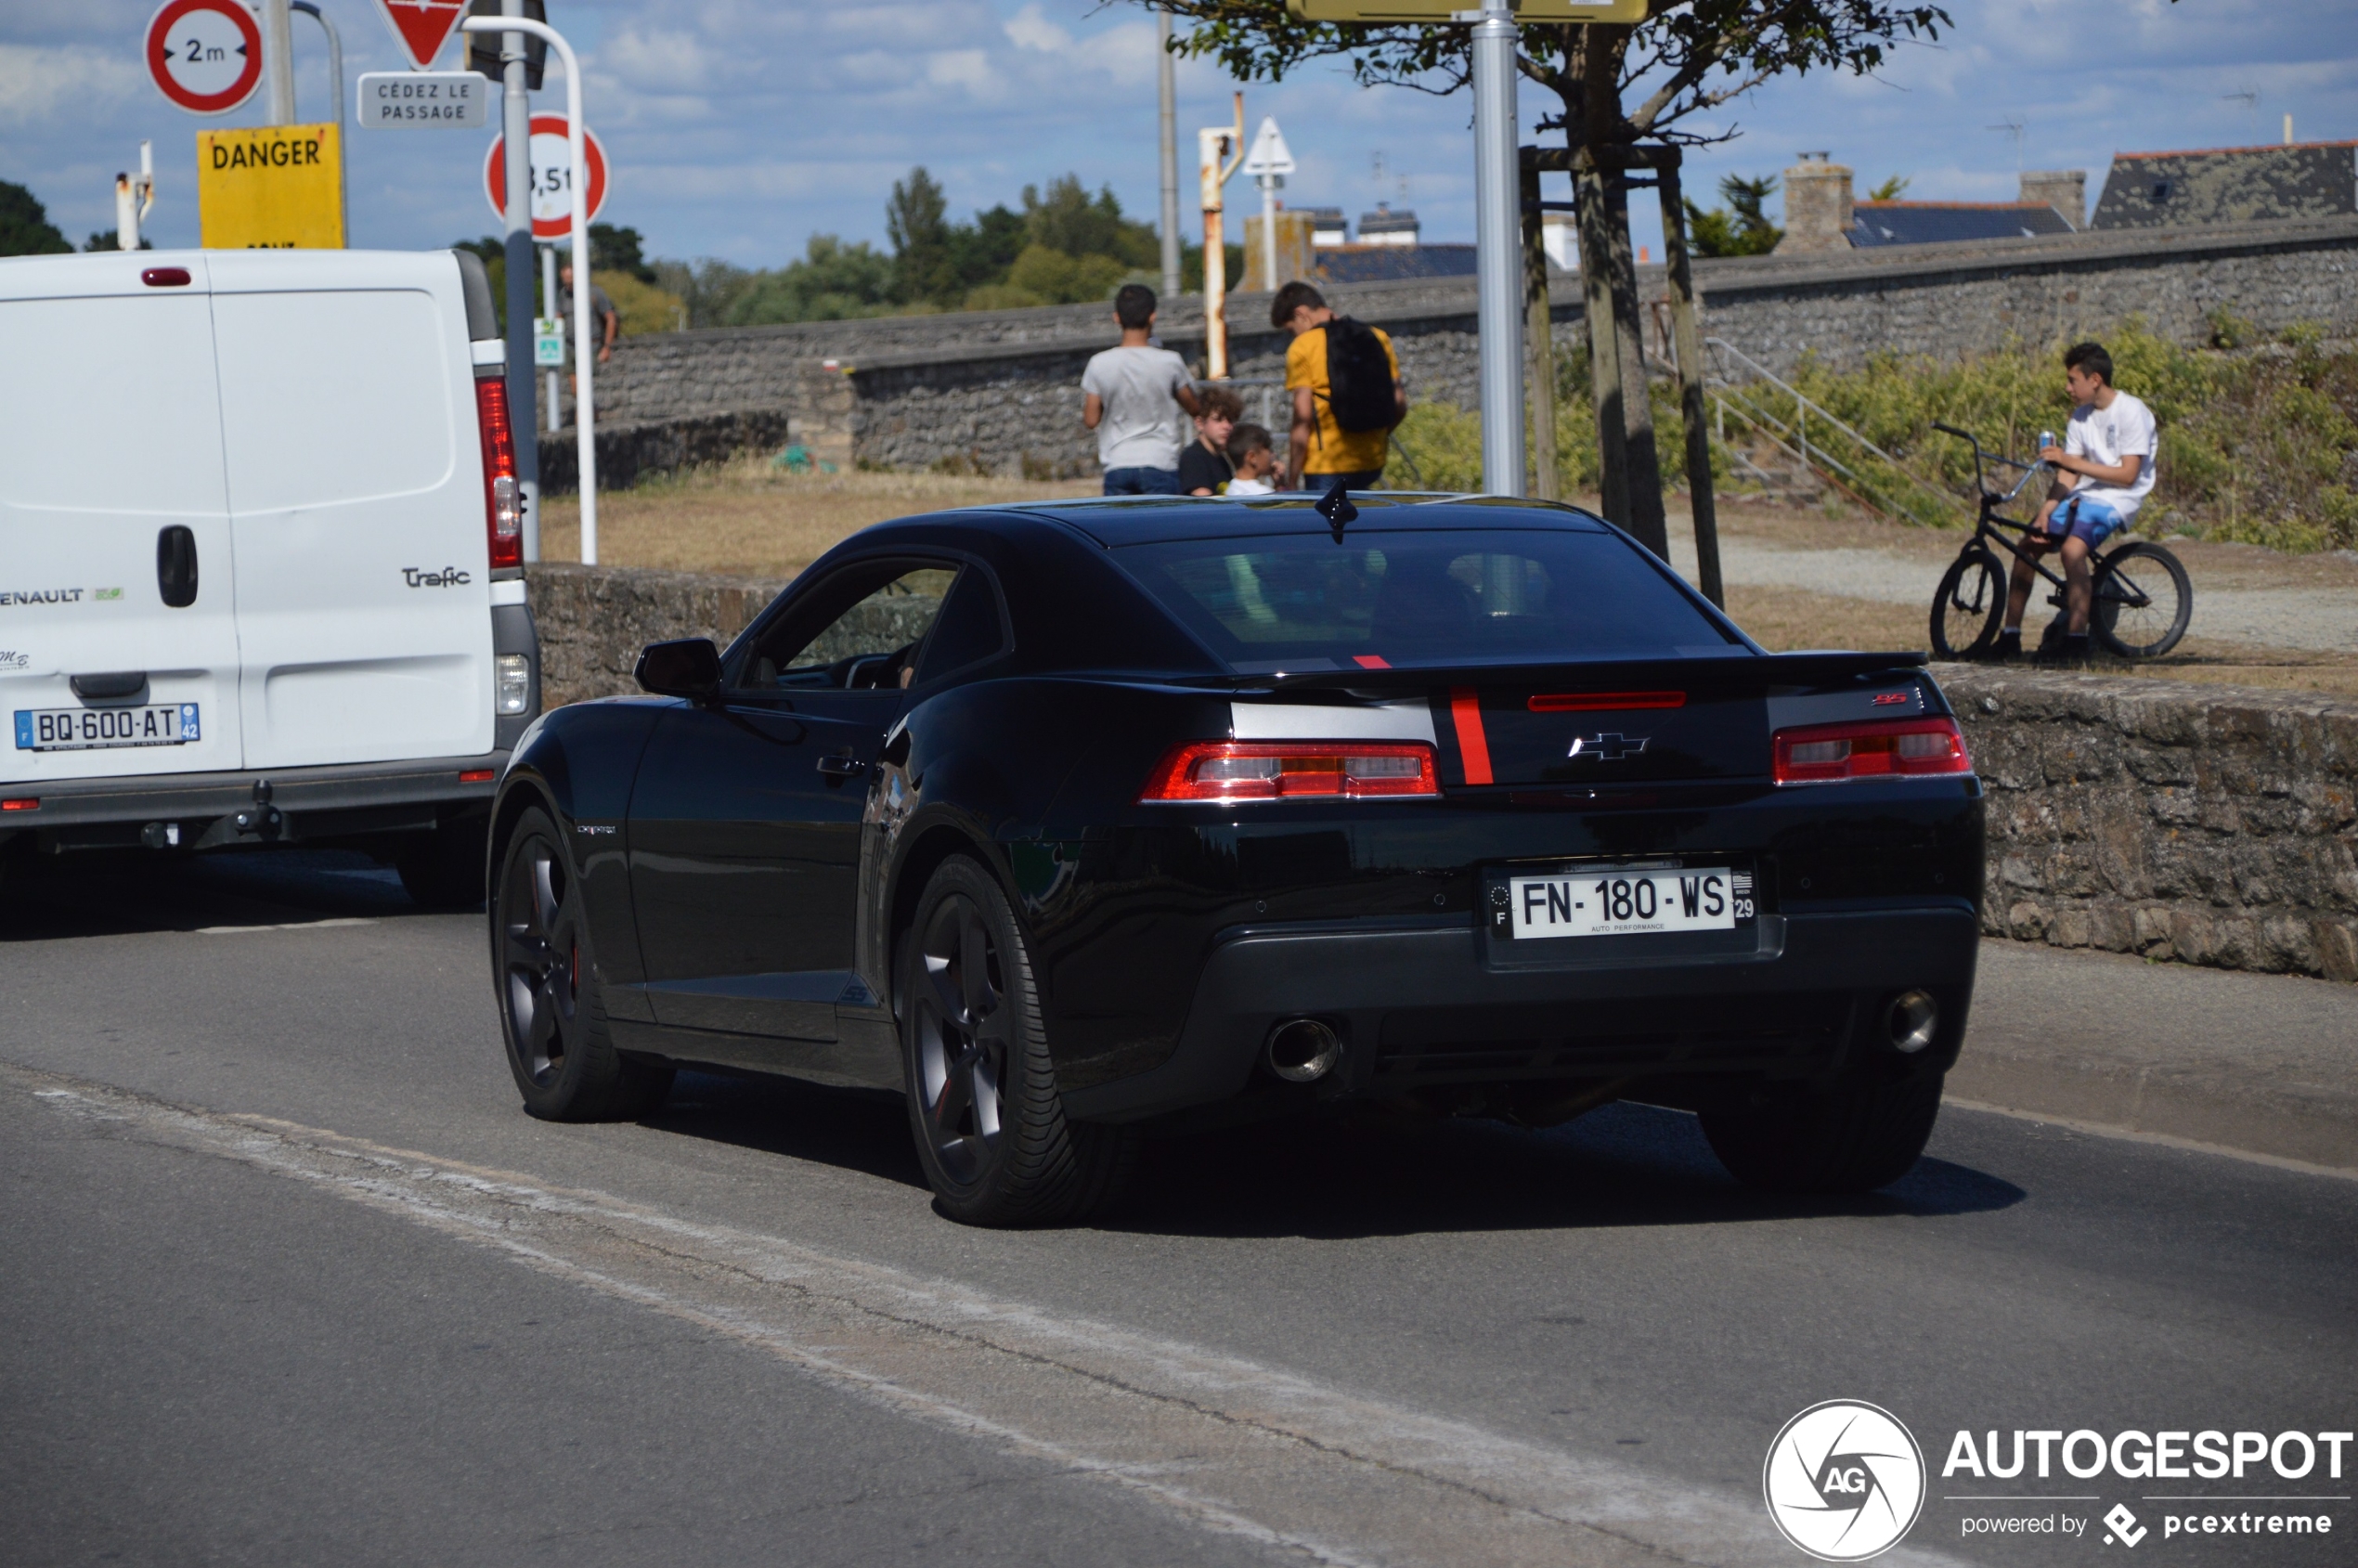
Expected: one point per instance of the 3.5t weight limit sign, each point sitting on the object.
(552, 177)
(205, 55)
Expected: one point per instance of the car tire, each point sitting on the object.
(983, 1105)
(443, 870)
(1860, 1135)
(552, 1014)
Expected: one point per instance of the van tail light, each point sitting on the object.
(502, 500)
(1871, 749)
(1292, 771)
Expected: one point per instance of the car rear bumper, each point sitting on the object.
(1421, 1006)
(215, 811)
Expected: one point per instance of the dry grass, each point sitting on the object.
(749, 519)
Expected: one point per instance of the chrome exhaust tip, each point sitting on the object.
(1911, 1020)
(1302, 1050)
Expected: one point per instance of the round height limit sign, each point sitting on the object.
(205, 55)
(552, 177)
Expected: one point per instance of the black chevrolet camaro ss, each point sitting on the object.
(1082, 820)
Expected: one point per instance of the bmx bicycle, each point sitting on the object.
(2141, 600)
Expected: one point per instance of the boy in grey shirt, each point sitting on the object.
(1131, 398)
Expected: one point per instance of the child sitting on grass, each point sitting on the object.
(1248, 449)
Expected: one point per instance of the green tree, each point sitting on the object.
(25, 228)
(1618, 86)
(832, 282)
(914, 222)
(1891, 189)
(1069, 220)
(983, 252)
(619, 250)
(1741, 229)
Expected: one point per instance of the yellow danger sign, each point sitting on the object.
(271, 188)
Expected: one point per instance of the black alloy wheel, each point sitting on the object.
(1968, 605)
(2141, 600)
(552, 1018)
(983, 1105)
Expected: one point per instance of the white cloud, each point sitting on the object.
(38, 84)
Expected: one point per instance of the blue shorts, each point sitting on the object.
(1141, 481)
(2089, 518)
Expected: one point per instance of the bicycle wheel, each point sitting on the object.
(1968, 605)
(2141, 601)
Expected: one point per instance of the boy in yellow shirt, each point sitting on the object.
(1340, 431)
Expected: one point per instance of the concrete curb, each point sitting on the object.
(2263, 1065)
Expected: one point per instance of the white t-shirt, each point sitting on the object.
(1251, 487)
(2106, 436)
(1142, 426)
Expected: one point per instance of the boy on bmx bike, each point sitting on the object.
(2104, 471)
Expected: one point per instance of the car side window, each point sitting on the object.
(858, 631)
(971, 628)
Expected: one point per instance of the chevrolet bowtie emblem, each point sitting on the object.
(1611, 746)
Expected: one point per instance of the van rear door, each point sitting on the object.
(118, 640)
(356, 505)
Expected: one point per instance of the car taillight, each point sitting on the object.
(1871, 749)
(1292, 771)
(502, 501)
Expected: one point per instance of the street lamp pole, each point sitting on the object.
(1498, 257)
(1167, 80)
(584, 349)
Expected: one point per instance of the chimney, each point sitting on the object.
(1816, 205)
(2064, 190)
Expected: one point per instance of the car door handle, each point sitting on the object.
(841, 767)
(176, 565)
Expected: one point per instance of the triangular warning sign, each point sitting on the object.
(424, 26)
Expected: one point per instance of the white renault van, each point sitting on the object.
(261, 566)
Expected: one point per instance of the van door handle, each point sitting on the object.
(841, 767)
(176, 565)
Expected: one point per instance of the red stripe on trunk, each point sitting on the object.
(1473, 747)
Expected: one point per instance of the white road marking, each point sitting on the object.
(2166, 1140)
(1235, 1446)
(286, 926)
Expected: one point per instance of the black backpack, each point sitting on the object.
(1359, 377)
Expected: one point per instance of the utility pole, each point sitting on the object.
(135, 198)
(1166, 77)
(1213, 143)
(278, 63)
(516, 126)
(1498, 256)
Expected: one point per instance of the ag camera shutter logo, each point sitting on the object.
(1844, 1480)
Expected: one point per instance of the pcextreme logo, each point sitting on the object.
(1844, 1480)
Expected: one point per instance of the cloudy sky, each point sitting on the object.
(740, 127)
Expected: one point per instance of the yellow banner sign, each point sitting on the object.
(271, 188)
(1428, 12)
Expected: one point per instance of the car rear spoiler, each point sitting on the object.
(1739, 669)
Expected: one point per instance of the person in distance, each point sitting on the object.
(1130, 396)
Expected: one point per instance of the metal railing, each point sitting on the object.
(1792, 438)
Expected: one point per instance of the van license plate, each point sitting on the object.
(91, 729)
(1619, 901)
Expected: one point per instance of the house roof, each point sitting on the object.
(1384, 263)
(1936, 223)
(2229, 185)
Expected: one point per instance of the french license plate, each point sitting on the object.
(1627, 901)
(90, 729)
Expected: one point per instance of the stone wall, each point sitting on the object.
(999, 390)
(2207, 824)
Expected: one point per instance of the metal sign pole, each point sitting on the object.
(555, 414)
(516, 124)
(584, 347)
(1167, 80)
(278, 63)
(1498, 257)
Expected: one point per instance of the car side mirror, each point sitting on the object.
(689, 667)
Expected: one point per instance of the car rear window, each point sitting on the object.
(1444, 596)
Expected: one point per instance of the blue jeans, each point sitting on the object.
(1141, 481)
(2092, 519)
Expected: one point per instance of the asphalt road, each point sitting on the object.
(286, 1276)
